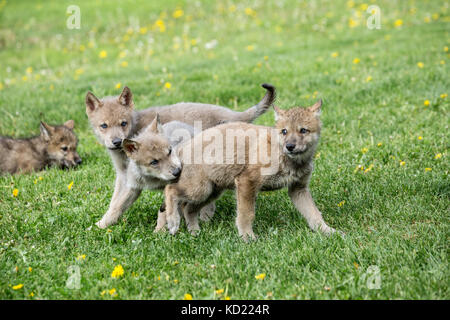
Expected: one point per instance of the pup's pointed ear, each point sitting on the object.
(130, 146)
(126, 97)
(46, 131)
(69, 124)
(278, 112)
(92, 102)
(316, 108)
(156, 126)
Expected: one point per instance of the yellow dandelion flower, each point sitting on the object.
(15, 192)
(227, 298)
(368, 168)
(167, 85)
(420, 65)
(29, 70)
(426, 103)
(1, 86)
(103, 54)
(435, 16)
(175, 281)
(398, 23)
(69, 186)
(356, 60)
(103, 293)
(446, 49)
(160, 24)
(420, 137)
(340, 204)
(82, 47)
(30, 269)
(427, 20)
(260, 276)
(220, 291)
(402, 163)
(368, 79)
(364, 150)
(117, 272)
(31, 294)
(187, 296)
(442, 62)
(118, 85)
(79, 71)
(124, 64)
(143, 30)
(438, 156)
(427, 169)
(379, 144)
(81, 257)
(335, 54)
(178, 13)
(24, 78)
(352, 23)
(250, 12)
(112, 292)
(17, 287)
(443, 96)
(250, 47)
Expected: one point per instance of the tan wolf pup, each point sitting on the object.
(56, 145)
(292, 146)
(113, 120)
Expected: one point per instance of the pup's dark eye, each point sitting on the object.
(170, 150)
(64, 148)
(303, 130)
(154, 162)
(104, 125)
(123, 124)
(284, 132)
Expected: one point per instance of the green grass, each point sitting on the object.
(395, 216)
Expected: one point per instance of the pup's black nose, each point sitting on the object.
(176, 172)
(290, 146)
(117, 142)
(78, 161)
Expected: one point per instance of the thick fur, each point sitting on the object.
(113, 119)
(298, 131)
(55, 146)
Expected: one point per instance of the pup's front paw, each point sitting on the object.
(101, 224)
(173, 223)
(207, 212)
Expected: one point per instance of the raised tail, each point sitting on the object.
(254, 112)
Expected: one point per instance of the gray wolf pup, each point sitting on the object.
(113, 120)
(295, 140)
(55, 146)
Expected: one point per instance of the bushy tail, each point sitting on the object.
(254, 112)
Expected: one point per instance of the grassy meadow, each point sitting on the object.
(381, 170)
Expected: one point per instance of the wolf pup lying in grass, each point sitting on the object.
(56, 145)
(291, 147)
(113, 120)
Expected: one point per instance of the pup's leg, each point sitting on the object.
(172, 209)
(246, 195)
(161, 222)
(303, 201)
(207, 212)
(190, 212)
(123, 200)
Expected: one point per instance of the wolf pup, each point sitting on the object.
(56, 145)
(113, 120)
(153, 163)
(295, 141)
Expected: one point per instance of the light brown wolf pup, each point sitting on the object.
(56, 145)
(114, 119)
(290, 149)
